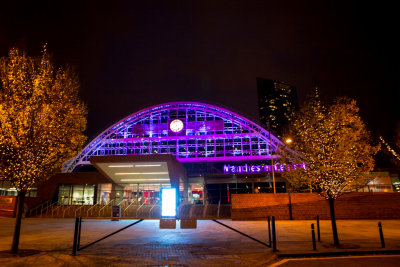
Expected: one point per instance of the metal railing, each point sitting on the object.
(107, 204)
(38, 207)
(191, 211)
(121, 202)
(76, 210)
(153, 207)
(89, 209)
(137, 211)
(134, 209)
(52, 208)
(205, 210)
(125, 210)
(46, 210)
(65, 209)
(219, 207)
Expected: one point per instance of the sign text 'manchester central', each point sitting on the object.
(248, 168)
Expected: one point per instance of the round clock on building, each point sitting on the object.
(176, 126)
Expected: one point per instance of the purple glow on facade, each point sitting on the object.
(209, 134)
(248, 168)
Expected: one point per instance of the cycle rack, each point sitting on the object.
(252, 238)
(77, 235)
(78, 226)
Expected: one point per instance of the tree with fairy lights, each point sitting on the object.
(393, 151)
(335, 145)
(42, 120)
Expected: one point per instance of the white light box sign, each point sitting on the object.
(168, 202)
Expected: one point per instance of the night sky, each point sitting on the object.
(133, 54)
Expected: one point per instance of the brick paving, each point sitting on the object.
(49, 242)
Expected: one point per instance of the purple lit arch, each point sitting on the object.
(209, 133)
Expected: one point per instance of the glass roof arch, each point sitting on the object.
(191, 131)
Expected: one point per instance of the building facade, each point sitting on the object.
(276, 103)
(206, 151)
(222, 152)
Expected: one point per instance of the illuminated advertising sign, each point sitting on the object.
(168, 202)
(248, 168)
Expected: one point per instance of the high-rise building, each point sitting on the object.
(276, 103)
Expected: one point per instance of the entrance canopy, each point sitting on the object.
(141, 169)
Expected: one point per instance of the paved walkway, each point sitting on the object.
(49, 242)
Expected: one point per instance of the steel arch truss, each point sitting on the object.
(209, 133)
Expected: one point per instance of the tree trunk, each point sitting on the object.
(290, 207)
(333, 221)
(18, 218)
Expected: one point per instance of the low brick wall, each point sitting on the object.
(307, 206)
(7, 206)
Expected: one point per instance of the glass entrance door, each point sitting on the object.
(147, 194)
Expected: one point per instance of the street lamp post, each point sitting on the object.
(272, 162)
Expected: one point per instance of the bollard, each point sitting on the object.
(314, 246)
(318, 233)
(273, 234)
(75, 244)
(79, 233)
(269, 231)
(381, 235)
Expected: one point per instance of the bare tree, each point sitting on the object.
(42, 121)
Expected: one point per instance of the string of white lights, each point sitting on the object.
(389, 148)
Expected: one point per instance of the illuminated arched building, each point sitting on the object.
(222, 153)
